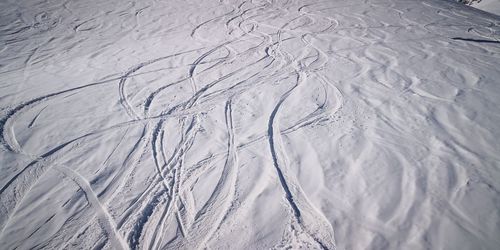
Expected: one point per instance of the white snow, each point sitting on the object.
(250, 124)
(492, 6)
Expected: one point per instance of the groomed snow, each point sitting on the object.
(181, 124)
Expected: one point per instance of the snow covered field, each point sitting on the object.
(492, 6)
(251, 124)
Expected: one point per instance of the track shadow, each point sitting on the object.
(475, 40)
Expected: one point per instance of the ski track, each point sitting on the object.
(102, 213)
(319, 107)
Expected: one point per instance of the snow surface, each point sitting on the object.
(492, 6)
(249, 124)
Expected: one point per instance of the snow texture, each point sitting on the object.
(492, 6)
(181, 124)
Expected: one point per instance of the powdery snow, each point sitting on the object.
(249, 124)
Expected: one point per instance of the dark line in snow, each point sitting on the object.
(474, 40)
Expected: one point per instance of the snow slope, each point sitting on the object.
(492, 6)
(249, 124)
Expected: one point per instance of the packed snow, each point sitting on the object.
(173, 124)
(492, 6)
